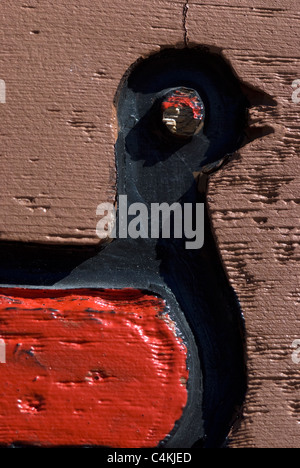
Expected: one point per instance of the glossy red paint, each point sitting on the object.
(89, 367)
(181, 99)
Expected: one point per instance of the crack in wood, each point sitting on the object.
(185, 29)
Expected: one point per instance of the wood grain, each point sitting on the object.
(62, 65)
(254, 205)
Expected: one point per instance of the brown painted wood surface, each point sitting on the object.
(62, 63)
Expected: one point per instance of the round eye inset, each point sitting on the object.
(183, 112)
